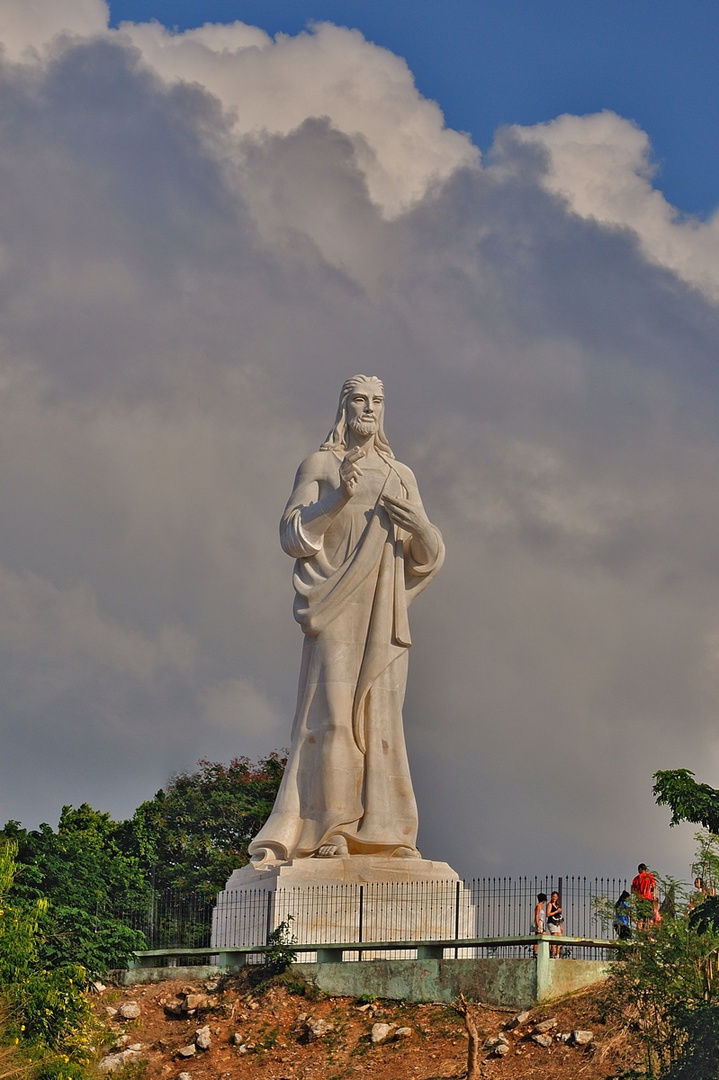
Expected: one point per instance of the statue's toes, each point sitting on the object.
(335, 847)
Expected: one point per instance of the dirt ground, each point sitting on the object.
(265, 1032)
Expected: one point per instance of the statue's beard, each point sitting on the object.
(363, 427)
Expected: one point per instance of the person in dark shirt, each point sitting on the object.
(623, 917)
(555, 919)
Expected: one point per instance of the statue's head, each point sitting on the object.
(338, 436)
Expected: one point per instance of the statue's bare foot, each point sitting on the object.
(335, 847)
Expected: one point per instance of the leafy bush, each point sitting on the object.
(662, 991)
(279, 956)
(96, 942)
(18, 925)
(50, 1017)
(666, 986)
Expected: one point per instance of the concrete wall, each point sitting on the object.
(516, 983)
(495, 981)
(564, 976)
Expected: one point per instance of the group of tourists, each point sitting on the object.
(638, 908)
(642, 903)
(549, 919)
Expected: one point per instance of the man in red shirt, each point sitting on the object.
(644, 891)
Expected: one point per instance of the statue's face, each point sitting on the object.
(365, 406)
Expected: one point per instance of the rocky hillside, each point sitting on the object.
(284, 1030)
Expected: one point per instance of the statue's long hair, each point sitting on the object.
(338, 436)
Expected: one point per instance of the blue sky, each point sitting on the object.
(490, 62)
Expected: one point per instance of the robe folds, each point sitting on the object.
(347, 774)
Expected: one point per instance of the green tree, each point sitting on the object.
(196, 831)
(18, 925)
(698, 803)
(85, 864)
(89, 886)
(49, 1014)
(688, 799)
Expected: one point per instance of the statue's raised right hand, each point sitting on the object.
(350, 471)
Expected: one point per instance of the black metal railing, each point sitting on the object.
(487, 907)
(169, 918)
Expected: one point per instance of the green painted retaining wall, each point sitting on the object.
(494, 980)
(514, 983)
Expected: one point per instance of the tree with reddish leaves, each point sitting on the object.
(195, 831)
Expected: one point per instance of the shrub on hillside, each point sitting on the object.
(48, 1015)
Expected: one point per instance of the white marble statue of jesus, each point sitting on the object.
(364, 548)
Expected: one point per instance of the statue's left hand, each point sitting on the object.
(407, 515)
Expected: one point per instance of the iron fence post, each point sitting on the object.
(456, 918)
(269, 928)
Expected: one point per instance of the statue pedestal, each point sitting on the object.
(349, 899)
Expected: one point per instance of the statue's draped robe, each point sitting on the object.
(347, 773)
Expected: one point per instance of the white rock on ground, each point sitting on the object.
(517, 1021)
(114, 1062)
(203, 1040)
(130, 1010)
(319, 1029)
(380, 1033)
(193, 1002)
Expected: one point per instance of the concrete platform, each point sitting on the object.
(352, 898)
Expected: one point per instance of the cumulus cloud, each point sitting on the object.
(602, 166)
(201, 236)
(399, 140)
(27, 26)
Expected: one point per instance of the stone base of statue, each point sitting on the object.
(350, 899)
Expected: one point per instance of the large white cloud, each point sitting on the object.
(201, 236)
(602, 165)
(399, 140)
(27, 26)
